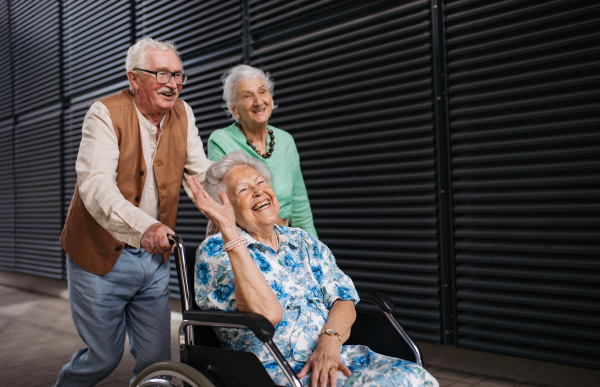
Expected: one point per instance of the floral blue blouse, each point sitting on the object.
(304, 276)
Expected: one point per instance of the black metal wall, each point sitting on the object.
(7, 159)
(7, 197)
(6, 100)
(450, 149)
(524, 112)
(35, 51)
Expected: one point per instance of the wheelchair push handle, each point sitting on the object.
(181, 264)
(170, 238)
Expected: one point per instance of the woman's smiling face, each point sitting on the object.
(252, 198)
(254, 103)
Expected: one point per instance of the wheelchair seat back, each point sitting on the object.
(373, 329)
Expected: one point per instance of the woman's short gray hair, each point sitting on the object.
(241, 73)
(136, 55)
(214, 180)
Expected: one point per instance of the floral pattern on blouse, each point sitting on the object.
(304, 276)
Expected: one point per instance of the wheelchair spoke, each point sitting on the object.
(171, 374)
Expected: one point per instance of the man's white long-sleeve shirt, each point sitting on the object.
(96, 168)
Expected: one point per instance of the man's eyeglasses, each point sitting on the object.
(165, 76)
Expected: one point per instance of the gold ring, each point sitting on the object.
(334, 368)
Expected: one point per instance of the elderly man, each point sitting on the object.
(136, 148)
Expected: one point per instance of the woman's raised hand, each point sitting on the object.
(222, 215)
(324, 362)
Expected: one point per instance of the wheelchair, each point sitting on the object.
(205, 364)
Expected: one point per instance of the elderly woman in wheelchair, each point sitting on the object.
(289, 277)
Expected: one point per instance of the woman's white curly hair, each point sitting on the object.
(214, 182)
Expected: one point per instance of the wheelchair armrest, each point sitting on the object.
(258, 324)
(378, 298)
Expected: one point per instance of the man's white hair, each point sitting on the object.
(241, 73)
(214, 181)
(136, 55)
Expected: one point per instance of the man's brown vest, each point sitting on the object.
(86, 242)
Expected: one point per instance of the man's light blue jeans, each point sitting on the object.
(134, 299)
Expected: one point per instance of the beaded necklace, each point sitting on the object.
(265, 155)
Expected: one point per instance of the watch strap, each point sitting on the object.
(332, 333)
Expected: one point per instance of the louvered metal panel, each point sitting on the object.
(353, 85)
(5, 59)
(7, 197)
(37, 144)
(524, 116)
(208, 35)
(96, 36)
(35, 49)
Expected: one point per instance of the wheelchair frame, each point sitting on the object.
(259, 325)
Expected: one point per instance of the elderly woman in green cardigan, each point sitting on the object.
(248, 96)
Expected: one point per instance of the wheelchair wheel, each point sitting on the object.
(171, 374)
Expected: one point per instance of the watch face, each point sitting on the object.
(330, 331)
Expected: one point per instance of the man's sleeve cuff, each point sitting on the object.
(138, 227)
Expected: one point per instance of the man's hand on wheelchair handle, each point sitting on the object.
(155, 241)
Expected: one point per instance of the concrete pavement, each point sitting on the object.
(37, 338)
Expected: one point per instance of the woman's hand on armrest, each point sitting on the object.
(324, 362)
(327, 354)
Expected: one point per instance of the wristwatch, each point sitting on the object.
(331, 332)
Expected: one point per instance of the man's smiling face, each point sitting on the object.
(155, 98)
